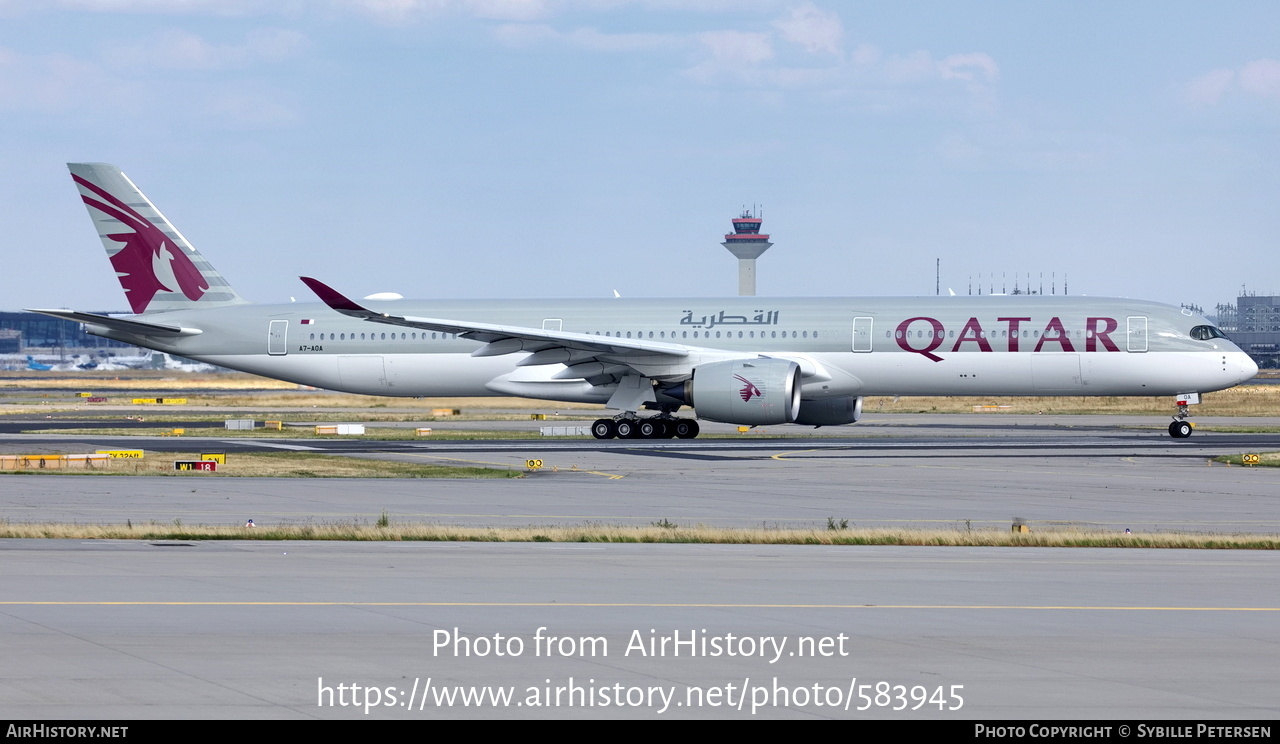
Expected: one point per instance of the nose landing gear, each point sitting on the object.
(1181, 428)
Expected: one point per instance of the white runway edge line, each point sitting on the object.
(276, 445)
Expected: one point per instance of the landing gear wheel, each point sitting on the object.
(604, 429)
(685, 428)
(628, 429)
(1180, 430)
(652, 429)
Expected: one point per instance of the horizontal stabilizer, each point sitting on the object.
(123, 325)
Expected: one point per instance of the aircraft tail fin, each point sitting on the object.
(157, 267)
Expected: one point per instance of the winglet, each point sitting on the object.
(335, 299)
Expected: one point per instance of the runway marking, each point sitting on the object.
(681, 455)
(276, 445)
(642, 605)
(610, 476)
(783, 455)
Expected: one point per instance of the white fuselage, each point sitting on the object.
(854, 346)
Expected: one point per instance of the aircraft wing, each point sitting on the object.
(594, 358)
(124, 325)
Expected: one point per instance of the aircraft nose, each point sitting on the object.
(1248, 367)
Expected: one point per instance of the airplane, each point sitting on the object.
(750, 361)
(35, 366)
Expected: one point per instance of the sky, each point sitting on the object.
(571, 148)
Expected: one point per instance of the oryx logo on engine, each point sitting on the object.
(749, 389)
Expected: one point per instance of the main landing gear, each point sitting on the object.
(655, 427)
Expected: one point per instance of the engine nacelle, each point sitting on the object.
(830, 411)
(746, 391)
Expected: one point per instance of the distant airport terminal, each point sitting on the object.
(55, 343)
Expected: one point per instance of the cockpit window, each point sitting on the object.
(1206, 332)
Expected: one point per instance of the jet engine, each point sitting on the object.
(744, 391)
(831, 411)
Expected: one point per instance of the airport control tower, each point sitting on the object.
(747, 244)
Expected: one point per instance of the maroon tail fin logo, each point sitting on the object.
(149, 262)
(749, 389)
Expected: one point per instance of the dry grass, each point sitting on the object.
(281, 465)
(266, 395)
(290, 399)
(416, 409)
(139, 379)
(326, 399)
(1245, 400)
(321, 417)
(386, 529)
(383, 434)
(1265, 460)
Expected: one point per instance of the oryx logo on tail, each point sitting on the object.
(150, 262)
(749, 389)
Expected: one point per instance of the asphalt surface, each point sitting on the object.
(130, 629)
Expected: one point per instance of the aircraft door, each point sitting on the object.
(363, 373)
(862, 334)
(277, 338)
(1056, 372)
(1137, 333)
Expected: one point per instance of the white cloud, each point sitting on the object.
(973, 67)
(1011, 145)
(812, 28)
(734, 48)
(56, 83)
(865, 54)
(529, 34)
(526, 34)
(1209, 88)
(250, 107)
(183, 50)
(97, 95)
(734, 54)
(162, 7)
(395, 12)
(910, 68)
(803, 49)
(1260, 78)
(398, 12)
(508, 10)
